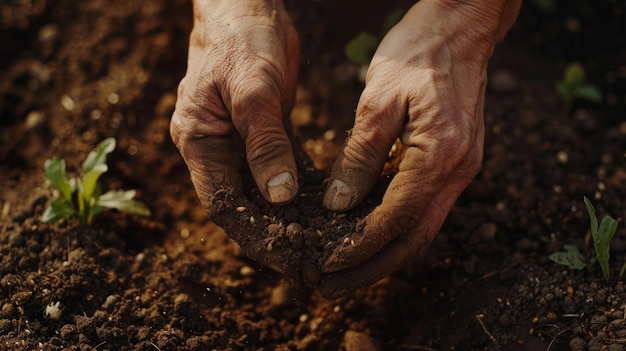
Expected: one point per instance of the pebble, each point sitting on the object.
(246, 271)
(8, 310)
(110, 302)
(294, 229)
(577, 344)
(279, 296)
(357, 341)
(181, 301)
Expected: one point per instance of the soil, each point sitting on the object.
(74, 73)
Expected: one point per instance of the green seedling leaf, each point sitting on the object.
(592, 216)
(589, 92)
(571, 257)
(574, 75)
(123, 201)
(57, 210)
(605, 234)
(81, 195)
(602, 236)
(99, 155)
(361, 49)
(392, 19)
(55, 172)
(90, 182)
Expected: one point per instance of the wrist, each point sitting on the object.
(204, 9)
(470, 29)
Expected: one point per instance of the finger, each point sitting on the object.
(257, 115)
(435, 171)
(214, 168)
(411, 245)
(406, 198)
(378, 123)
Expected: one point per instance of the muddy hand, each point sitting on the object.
(240, 79)
(426, 86)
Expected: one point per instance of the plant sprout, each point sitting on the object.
(602, 235)
(574, 86)
(81, 197)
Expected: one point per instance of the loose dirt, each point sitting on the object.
(74, 73)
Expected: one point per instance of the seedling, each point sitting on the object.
(362, 47)
(601, 235)
(574, 86)
(80, 197)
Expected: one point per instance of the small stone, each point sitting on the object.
(246, 271)
(181, 301)
(294, 229)
(577, 344)
(357, 341)
(8, 310)
(109, 303)
(279, 296)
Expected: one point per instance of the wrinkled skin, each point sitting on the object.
(425, 86)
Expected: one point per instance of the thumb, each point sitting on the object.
(257, 115)
(378, 123)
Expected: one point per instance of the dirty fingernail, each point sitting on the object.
(339, 196)
(281, 188)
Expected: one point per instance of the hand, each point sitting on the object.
(240, 80)
(426, 86)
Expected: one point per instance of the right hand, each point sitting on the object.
(240, 81)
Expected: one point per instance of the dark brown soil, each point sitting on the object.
(74, 73)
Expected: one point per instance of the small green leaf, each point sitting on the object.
(57, 210)
(123, 201)
(361, 49)
(392, 19)
(574, 75)
(99, 155)
(90, 182)
(571, 257)
(55, 172)
(589, 92)
(592, 216)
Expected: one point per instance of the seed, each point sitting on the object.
(240, 209)
(252, 220)
(270, 247)
(319, 232)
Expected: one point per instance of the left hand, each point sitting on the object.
(426, 86)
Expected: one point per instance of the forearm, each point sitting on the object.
(470, 28)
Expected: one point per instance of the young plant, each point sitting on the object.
(81, 197)
(601, 235)
(361, 48)
(574, 85)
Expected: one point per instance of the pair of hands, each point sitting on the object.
(425, 86)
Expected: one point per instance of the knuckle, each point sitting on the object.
(266, 146)
(362, 151)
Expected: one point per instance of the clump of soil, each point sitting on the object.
(301, 235)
